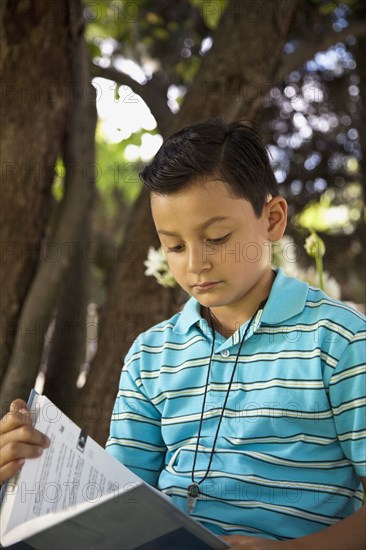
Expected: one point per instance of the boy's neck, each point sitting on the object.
(218, 326)
(227, 319)
(225, 326)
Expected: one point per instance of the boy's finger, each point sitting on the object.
(19, 450)
(13, 420)
(9, 469)
(24, 434)
(17, 405)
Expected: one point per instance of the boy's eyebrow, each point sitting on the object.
(202, 226)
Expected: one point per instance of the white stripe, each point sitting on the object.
(275, 483)
(351, 372)
(273, 439)
(131, 394)
(179, 393)
(341, 305)
(266, 506)
(172, 345)
(293, 463)
(313, 384)
(163, 328)
(135, 417)
(199, 390)
(173, 369)
(242, 360)
(266, 458)
(348, 406)
(352, 436)
(324, 323)
(249, 413)
(128, 443)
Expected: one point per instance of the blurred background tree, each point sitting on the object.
(294, 70)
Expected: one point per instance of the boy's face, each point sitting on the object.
(216, 247)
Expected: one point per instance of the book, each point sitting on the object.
(78, 496)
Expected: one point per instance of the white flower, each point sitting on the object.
(155, 260)
(285, 254)
(314, 245)
(157, 266)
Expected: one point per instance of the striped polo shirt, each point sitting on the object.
(292, 442)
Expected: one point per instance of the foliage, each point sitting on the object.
(211, 11)
(114, 169)
(328, 216)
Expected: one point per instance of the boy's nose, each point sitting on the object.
(198, 260)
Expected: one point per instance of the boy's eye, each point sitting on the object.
(219, 240)
(180, 247)
(177, 248)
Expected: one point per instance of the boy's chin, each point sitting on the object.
(207, 303)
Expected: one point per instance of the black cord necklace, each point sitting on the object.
(193, 491)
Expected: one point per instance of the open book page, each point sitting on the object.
(142, 520)
(78, 496)
(73, 470)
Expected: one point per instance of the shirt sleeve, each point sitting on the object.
(347, 392)
(135, 431)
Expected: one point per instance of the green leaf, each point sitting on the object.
(160, 33)
(58, 188)
(212, 10)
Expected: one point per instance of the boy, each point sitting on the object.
(245, 407)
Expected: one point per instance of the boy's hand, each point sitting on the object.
(241, 542)
(18, 439)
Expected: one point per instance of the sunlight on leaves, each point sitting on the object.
(58, 187)
(329, 217)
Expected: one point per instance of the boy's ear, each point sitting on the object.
(276, 210)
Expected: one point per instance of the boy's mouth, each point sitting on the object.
(205, 286)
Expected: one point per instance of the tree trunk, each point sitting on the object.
(46, 286)
(233, 79)
(68, 342)
(35, 67)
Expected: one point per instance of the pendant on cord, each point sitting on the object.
(192, 497)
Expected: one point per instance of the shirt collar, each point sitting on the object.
(286, 299)
(190, 314)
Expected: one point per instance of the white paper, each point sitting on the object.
(86, 500)
(73, 470)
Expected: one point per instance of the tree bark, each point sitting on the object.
(46, 285)
(232, 81)
(243, 62)
(35, 67)
(68, 343)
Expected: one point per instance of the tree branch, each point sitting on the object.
(154, 93)
(316, 43)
